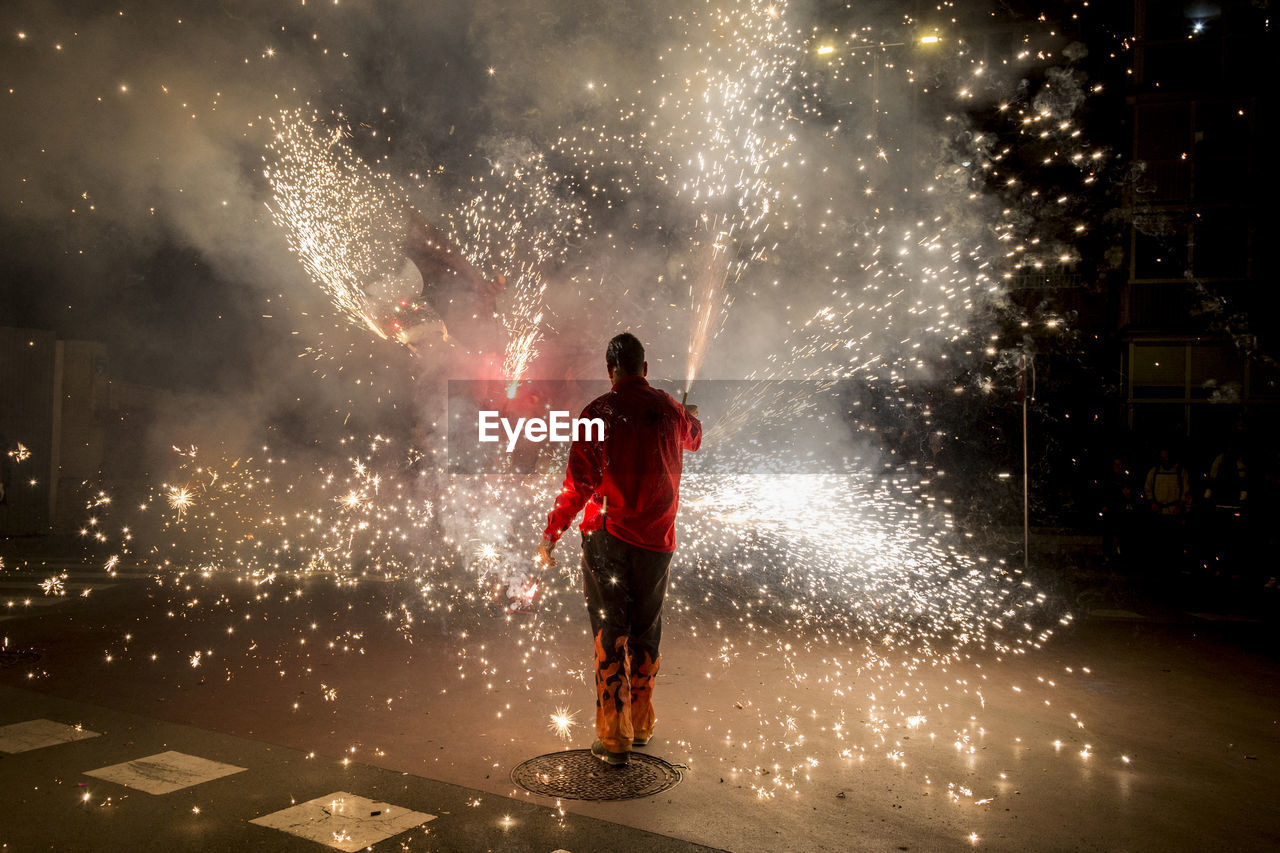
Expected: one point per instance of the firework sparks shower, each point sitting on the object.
(319, 238)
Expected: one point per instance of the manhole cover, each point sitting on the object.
(579, 775)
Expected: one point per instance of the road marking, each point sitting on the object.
(72, 587)
(1225, 617)
(13, 579)
(344, 821)
(37, 601)
(37, 734)
(1115, 614)
(165, 772)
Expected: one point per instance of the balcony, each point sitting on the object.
(1165, 182)
(1158, 305)
(1048, 281)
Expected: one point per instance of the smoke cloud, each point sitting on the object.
(135, 205)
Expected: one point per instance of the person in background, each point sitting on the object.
(1119, 509)
(1167, 487)
(1226, 494)
(1227, 486)
(1167, 492)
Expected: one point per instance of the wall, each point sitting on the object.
(28, 371)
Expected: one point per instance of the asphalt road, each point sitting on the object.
(1128, 730)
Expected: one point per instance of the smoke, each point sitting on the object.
(135, 139)
(133, 200)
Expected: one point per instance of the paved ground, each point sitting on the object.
(1129, 730)
(55, 798)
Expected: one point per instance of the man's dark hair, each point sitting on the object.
(625, 354)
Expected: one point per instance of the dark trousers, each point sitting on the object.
(625, 587)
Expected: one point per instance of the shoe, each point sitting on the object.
(641, 740)
(613, 759)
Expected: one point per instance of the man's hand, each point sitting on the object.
(692, 410)
(543, 557)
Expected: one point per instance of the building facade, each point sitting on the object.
(1198, 295)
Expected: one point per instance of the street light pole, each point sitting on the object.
(875, 78)
(1026, 365)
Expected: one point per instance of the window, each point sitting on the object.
(1178, 371)
(1162, 131)
(1159, 249)
(1159, 371)
(1222, 129)
(1215, 373)
(1220, 247)
(1182, 65)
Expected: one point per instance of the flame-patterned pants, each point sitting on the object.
(625, 587)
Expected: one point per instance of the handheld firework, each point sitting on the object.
(522, 593)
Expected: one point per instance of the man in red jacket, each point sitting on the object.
(629, 483)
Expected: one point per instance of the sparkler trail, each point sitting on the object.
(519, 220)
(716, 127)
(709, 298)
(337, 215)
(743, 86)
(344, 222)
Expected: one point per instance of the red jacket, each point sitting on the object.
(636, 468)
